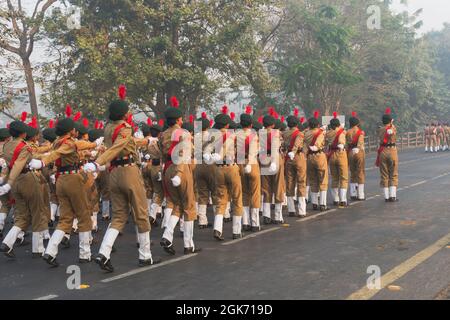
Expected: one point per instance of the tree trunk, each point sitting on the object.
(31, 87)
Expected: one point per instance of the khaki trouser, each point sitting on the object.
(146, 174)
(29, 203)
(158, 193)
(206, 183)
(73, 201)
(103, 185)
(6, 203)
(251, 187)
(318, 172)
(127, 193)
(389, 168)
(274, 185)
(296, 175)
(339, 170)
(229, 189)
(181, 198)
(357, 164)
(433, 140)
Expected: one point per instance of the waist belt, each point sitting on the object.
(25, 170)
(68, 169)
(389, 145)
(315, 152)
(122, 162)
(226, 164)
(156, 162)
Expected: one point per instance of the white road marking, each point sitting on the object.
(316, 215)
(251, 236)
(49, 297)
(140, 270)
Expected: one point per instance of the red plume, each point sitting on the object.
(225, 109)
(33, 122)
(354, 114)
(24, 116)
(335, 115)
(68, 111)
(96, 124)
(149, 121)
(51, 124)
(232, 116)
(261, 120)
(296, 112)
(282, 119)
(204, 115)
(191, 118)
(122, 92)
(302, 120)
(101, 126)
(161, 122)
(8, 125)
(276, 115)
(86, 123)
(248, 110)
(130, 119)
(211, 122)
(388, 111)
(174, 102)
(316, 114)
(77, 116)
(271, 111)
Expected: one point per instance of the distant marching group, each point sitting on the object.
(437, 137)
(62, 178)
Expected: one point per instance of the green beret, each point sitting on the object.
(188, 126)
(313, 123)
(145, 128)
(16, 128)
(268, 121)
(353, 121)
(82, 130)
(117, 110)
(334, 123)
(387, 118)
(49, 134)
(64, 126)
(173, 113)
(94, 134)
(156, 127)
(4, 133)
(31, 132)
(246, 120)
(257, 125)
(205, 123)
(233, 125)
(222, 119)
(292, 121)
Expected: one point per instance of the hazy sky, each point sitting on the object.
(435, 12)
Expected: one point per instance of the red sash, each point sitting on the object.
(58, 161)
(355, 140)
(380, 150)
(169, 162)
(248, 140)
(313, 141)
(116, 131)
(16, 154)
(335, 143)
(292, 142)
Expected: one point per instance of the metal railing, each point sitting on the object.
(404, 140)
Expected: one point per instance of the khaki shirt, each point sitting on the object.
(331, 136)
(22, 160)
(309, 136)
(67, 149)
(251, 155)
(298, 143)
(391, 138)
(351, 135)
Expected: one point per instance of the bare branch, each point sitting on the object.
(40, 17)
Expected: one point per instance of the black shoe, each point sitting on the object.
(292, 214)
(191, 250)
(246, 227)
(167, 246)
(154, 222)
(354, 198)
(343, 205)
(50, 260)
(105, 264)
(36, 255)
(301, 217)
(137, 245)
(315, 207)
(205, 226)
(393, 199)
(7, 251)
(106, 218)
(65, 243)
(84, 260)
(51, 224)
(277, 222)
(114, 249)
(335, 203)
(22, 242)
(218, 236)
(323, 208)
(267, 221)
(237, 236)
(1, 234)
(149, 262)
(256, 229)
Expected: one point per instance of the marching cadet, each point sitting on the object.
(440, 137)
(49, 136)
(317, 167)
(70, 190)
(387, 159)
(447, 136)
(5, 206)
(356, 159)
(272, 182)
(427, 138)
(228, 180)
(338, 161)
(248, 145)
(204, 174)
(175, 144)
(26, 190)
(295, 167)
(433, 138)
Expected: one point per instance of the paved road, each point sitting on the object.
(325, 256)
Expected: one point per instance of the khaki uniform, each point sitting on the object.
(388, 161)
(433, 139)
(152, 173)
(338, 163)
(6, 198)
(357, 162)
(317, 164)
(28, 197)
(251, 180)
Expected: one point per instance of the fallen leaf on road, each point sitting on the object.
(394, 288)
(83, 286)
(285, 225)
(408, 223)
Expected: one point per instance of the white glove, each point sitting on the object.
(152, 140)
(390, 132)
(94, 154)
(207, 158)
(355, 150)
(99, 141)
(139, 135)
(216, 157)
(324, 128)
(100, 168)
(147, 157)
(95, 174)
(35, 164)
(176, 181)
(5, 189)
(341, 146)
(314, 149)
(159, 176)
(90, 167)
(273, 167)
(291, 155)
(53, 179)
(3, 163)
(248, 169)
